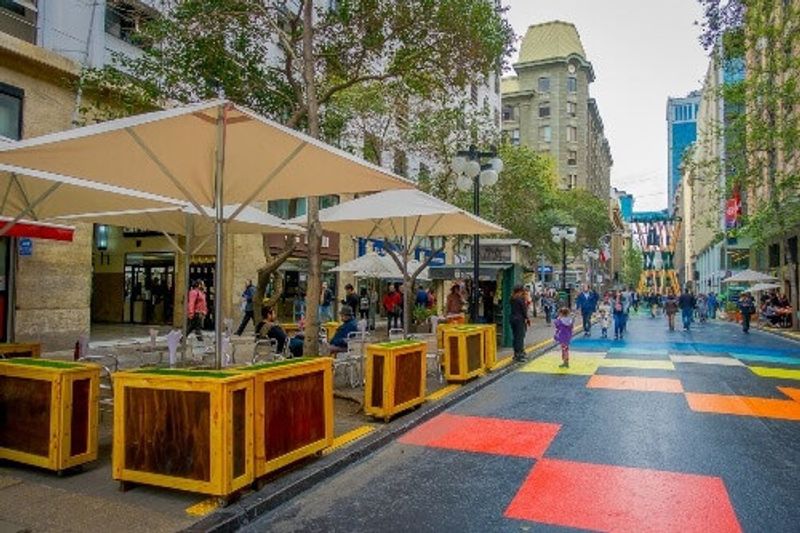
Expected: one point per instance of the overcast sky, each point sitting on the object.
(642, 51)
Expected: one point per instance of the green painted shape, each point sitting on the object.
(184, 373)
(275, 364)
(397, 344)
(42, 363)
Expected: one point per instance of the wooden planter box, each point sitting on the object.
(463, 353)
(20, 349)
(290, 328)
(441, 328)
(395, 376)
(293, 410)
(184, 429)
(48, 412)
(489, 345)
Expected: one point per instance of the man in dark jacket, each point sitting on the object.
(350, 298)
(349, 325)
(686, 304)
(747, 307)
(587, 304)
(519, 321)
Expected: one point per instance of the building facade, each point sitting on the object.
(681, 133)
(547, 107)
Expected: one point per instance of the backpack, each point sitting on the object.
(363, 303)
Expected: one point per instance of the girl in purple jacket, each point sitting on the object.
(563, 336)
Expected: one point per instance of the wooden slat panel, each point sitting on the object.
(79, 421)
(294, 413)
(455, 362)
(239, 421)
(408, 368)
(25, 415)
(474, 348)
(168, 432)
(377, 380)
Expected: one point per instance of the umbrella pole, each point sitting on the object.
(187, 265)
(218, 221)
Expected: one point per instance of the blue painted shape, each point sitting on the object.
(638, 350)
(767, 359)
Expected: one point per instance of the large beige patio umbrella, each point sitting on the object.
(190, 223)
(403, 216)
(749, 276)
(378, 266)
(211, 153)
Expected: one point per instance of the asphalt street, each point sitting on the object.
(664, 431)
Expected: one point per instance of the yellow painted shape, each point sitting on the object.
(502, 363)
(349, 437)
(638, 363)
(204, 507)
(549, 364)
(441, 393)
(781, 373)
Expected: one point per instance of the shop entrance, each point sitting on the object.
(149, 288)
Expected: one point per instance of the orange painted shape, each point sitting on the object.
(516, 438)
(635, 383)
(744, 405)
(619, 498)
(791, 392)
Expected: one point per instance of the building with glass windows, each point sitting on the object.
(681, 133)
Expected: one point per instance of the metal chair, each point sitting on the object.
(267, 349)
(396, 334)
(356, 341)
(109, 363)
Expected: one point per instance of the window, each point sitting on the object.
(18, 18)
(544, 84)
(515, 137)
(572, 181)
(572, 134)
(400, 163)
(125, 19)
(572, 84)
(509, 113)
(545, 134)
(572, 157)
(544, 110)
(572, 109)
(774, 252)
(11, 111)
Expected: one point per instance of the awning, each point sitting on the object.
(37, 230)
(464, 271)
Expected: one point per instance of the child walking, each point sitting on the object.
(563, 324)
(605, 316)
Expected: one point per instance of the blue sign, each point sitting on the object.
(546, 269)
(26, 247)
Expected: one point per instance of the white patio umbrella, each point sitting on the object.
(191, 223)
(379, 266)
(758, 287)
(211, 153)
(403, 215)
(749, 276)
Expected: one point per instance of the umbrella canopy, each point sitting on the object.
(749, 276)
(375, 265)
(403, 214)
(38, 195)
(173, 153)
(758, 287)
(173, 220)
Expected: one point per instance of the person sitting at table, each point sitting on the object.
(349, 325)
(269, 328)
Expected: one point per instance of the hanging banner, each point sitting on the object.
(733, 208)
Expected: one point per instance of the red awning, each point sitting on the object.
(38, 230)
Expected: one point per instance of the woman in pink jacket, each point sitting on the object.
(198, 308)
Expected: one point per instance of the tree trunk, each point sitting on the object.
(311, 344)
(271, 265)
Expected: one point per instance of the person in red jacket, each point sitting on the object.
(393, 304)
(198, 308)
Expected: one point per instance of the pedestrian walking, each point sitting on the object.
(671, 309)
(351, 298)
(747, 307)
(363, 304)
(686, 304)
(325, 303)
(702, 308)
(548, 303)
(198, 308)
(247, 306)
(393, 305)
(563, 325)
(619, 316)
(587, 304)
(604, 310)
(519, 321)
(712, 305)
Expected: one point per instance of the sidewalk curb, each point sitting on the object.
(295, 482)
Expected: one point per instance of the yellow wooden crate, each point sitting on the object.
(395, 377)
(489, 344)
(293, 410)
(463, 353)
(9, 350)
(184, 429)
(440, 330)
(48, 412)
(330, 329)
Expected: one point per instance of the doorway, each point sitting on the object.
(149, 288)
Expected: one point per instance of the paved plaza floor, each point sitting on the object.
(664, 431)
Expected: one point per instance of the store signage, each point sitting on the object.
(25, 247)
(495, 253)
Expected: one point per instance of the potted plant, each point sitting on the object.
(421, 319)
(732, 312)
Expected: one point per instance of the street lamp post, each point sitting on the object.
(563, 233)
(472, 174)
(591, 255)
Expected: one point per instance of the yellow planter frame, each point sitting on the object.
(221, 481)
(390, 352)
(31, 350)
(457, 365)
(282, 371)
(330, 329)
(61, 379)
(489, 344)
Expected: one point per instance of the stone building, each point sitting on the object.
(547, 107)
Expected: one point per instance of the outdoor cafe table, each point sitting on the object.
(464, 356)
(48, 412)
(395, 377)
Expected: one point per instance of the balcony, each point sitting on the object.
(18, 19)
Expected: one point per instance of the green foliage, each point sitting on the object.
(421, 314)
(632, 265)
